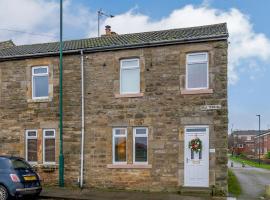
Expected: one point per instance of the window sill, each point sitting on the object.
(128, 95)
(44, 165)
(39, 100)
(200, 91)
(129, 166)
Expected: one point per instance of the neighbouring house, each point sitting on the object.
(243, 141)
(146, 99)
(262, 143)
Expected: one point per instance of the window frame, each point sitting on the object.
(44, 147)
(134, 145)
(40, 74)
(26, 144)
(200, 62)
(113, 144)
(122, 68)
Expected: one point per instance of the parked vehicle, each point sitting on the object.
(17, 178)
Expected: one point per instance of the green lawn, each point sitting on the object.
(250, 163)
(233, 184)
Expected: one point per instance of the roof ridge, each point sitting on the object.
(173, 29)
(126, 34)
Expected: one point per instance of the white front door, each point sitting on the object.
(196, 167)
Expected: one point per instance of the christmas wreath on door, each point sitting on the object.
(195, 145)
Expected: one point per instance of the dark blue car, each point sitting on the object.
(17, 178)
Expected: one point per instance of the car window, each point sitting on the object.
(19, 164)
(4, 164)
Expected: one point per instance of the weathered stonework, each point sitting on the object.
(161, 107)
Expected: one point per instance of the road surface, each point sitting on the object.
(252, 180)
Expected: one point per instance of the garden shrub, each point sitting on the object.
(268, 155)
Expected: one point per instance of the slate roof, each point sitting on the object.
(134, 40)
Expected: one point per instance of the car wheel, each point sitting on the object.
(3, 193)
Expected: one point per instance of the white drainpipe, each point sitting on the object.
(82, 139)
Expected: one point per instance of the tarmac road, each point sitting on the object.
(252, 180)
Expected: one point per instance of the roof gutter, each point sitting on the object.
(119, 47)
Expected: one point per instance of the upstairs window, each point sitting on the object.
(130, 76)
(49, 146)
(120, 145)
(197, 71)
(140, 145)
(31, 146)
(40, 82)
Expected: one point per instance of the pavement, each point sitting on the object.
(54, 193)
(251, 179)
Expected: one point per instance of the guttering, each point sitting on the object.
(82, 139)
(117, 47)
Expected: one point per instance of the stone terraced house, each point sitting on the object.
(155, 109)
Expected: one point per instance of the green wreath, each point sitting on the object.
(195, 145)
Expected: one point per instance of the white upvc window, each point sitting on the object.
(140, 145)
(197, 76)
(40, 82)
(119, 145)
(31, 146)
(49, 146)
(129, 76)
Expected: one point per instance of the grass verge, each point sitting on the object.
(250, 163)
(233, 184)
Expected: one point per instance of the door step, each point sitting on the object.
(196, 191)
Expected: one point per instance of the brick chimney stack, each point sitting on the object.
(108, 30)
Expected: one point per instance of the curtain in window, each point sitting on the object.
(130, 80)
(120, 149)
(197, 75)
(49, 150)
(41, 86)
(32, 150)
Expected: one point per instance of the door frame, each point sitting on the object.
(208, 161)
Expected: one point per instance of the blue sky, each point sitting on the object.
(249, 59)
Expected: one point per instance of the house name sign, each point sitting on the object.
(210, 107)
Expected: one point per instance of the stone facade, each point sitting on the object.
(162, 106)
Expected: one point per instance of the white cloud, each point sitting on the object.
(245, 43)
(29, 16)
(42, 17)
